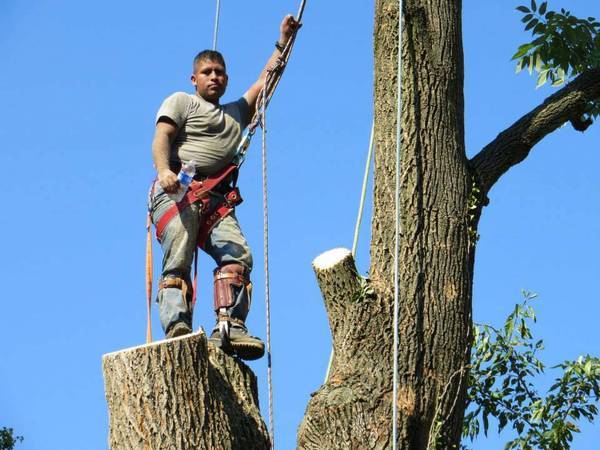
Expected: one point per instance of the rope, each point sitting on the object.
(260, 118)
(398, 231)
(266, 259)
(149, 278)
(363, 192)
(270, 85)
(276, 73)
(271, 81)
(361, 207)
(216, 30)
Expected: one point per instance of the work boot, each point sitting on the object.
(178, 329)
(240, 343)
(232, 303)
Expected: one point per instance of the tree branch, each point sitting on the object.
(514, 144)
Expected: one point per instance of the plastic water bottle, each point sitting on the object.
(185, 177)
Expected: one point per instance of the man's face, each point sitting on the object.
(210, 80)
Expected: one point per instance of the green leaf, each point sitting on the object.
(519, 66)
(531, 24)
(486, 423)
(543, 7)
(587, 369)
(542, 79)
(523, 9)
(533, 5)
(538, 67)
(526, 18)
(502, 420)
(523, 49)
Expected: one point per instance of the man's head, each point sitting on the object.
(209, 75)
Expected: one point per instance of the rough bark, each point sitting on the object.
(441, 200)
(181, 393)
(514, 144)
(436, 252)
(347, 410)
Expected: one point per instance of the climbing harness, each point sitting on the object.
(398, 232)
(198, 192)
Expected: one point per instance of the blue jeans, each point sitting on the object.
(225, 244)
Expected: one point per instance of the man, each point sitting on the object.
(198, 128)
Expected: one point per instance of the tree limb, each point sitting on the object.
(514, 144)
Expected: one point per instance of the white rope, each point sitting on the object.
(361, 207)
(216, 30)
(398, 232)
(266, 258)
(363, 192)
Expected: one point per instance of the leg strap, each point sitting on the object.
(177, 283)
(212, 218)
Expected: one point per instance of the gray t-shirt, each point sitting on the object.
(208, 134)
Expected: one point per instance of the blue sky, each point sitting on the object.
(80, 85)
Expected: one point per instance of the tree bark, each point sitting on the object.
(514, 144)
(346, 412)
(441, 200)
(181, 394)
(436, 253)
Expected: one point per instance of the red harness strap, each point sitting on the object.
(210, 219)
(197, 192)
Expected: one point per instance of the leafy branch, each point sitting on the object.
(504, 364)
(563, 47)
(7, 439)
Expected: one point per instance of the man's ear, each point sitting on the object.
(193, 78)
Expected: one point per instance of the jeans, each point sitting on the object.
(225, 244)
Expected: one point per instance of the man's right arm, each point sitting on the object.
(165, 133)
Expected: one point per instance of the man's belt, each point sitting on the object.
(198, 192)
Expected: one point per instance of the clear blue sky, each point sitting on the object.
(79, 87)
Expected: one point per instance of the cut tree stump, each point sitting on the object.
(181, 393)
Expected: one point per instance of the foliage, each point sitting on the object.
(563, 46)
(7, 440)
(501, 385)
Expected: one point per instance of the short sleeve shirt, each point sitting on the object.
(208, 134)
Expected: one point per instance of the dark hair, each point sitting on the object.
(208, 55)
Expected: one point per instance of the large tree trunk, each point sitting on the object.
(181, 394)
(354, 408)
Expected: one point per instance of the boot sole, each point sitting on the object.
(178, 330)
(247, 351)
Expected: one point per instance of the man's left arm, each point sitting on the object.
(286, 29)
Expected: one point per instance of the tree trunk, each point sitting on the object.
(181, 394)
(353, 409)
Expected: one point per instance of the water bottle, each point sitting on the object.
(185, 177)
